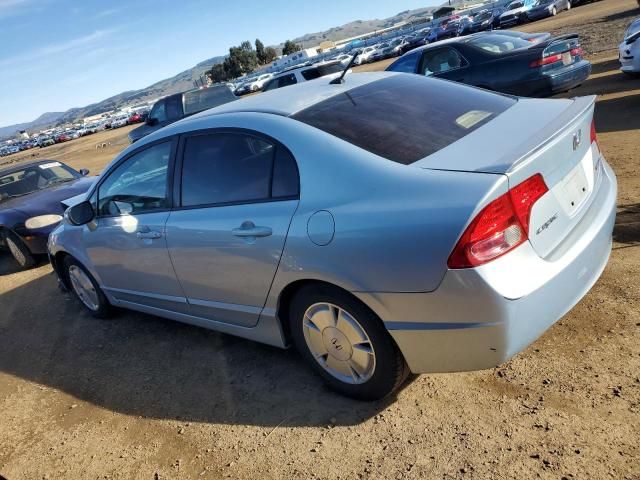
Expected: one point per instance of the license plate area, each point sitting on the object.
(566, 58)
(574, 189)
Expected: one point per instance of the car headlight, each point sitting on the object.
(42, 221)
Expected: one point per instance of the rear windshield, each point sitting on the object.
(198, 100)
(405, 118)
(498, 43)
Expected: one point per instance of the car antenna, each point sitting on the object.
(340, 79)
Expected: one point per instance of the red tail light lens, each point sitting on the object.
(546, 61)
(500, 227)
(577, 52)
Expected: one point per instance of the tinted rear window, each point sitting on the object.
(198, 100)
(405, 118)
(498, 43)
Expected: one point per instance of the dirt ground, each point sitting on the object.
(141, 397)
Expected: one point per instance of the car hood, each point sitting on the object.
(48, 200)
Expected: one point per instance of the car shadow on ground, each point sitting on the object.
(145, 366)
(9, 266)
(627, 227)
(618, 114)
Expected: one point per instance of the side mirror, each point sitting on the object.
(84, 172)
(152, 121)
(81, 214)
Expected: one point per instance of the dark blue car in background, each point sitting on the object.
(513, 63)
(31, 196)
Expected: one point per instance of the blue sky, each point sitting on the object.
(57, 54)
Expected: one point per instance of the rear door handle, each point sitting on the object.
(248, 229)
(148, 235)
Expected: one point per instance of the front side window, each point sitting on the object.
(310, 74)
(139, 184)
(224, 168)
(441, 60)
(406, 64)
(174, 107)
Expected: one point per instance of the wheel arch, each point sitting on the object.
(288, 293)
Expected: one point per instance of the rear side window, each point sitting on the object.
(173, 107)
(310, 74)
(198, 100)
(329, 69)
(405, 118)
(286, 80)
(224, 168)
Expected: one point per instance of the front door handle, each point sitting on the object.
(248, 229)
(151, 235)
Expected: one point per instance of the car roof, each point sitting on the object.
(292, 99)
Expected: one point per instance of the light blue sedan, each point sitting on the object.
(386, 224)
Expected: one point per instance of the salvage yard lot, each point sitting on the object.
(142, 397)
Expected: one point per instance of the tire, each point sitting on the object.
(554, 12)
(98, 305)
(20, 251)
(375, 366)
(568, 6)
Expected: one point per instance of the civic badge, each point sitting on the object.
(577, 139)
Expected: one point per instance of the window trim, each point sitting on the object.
(173, 140)
(442, 47)
(177, 185)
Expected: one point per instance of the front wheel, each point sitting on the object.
(554, 12)
(86, 289)
(20, 252)
(346, 343)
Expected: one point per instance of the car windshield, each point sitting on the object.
(514, 5)
(544, 2)
(498, 43)
(30, 178)
(482, 16)
(405, 118)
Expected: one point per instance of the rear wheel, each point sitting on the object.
(568, 5)
(554, 12)
(20, 251)
(86, 289)
(345, 343)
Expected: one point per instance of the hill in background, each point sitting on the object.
(184, 80)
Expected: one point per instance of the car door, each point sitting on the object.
(126, 242)
(237, 195)
(445, 62)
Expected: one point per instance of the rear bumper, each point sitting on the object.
(551, 82)
(475, 321)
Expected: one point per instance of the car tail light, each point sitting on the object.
(500, 227)
(546, 61)
(577, 52)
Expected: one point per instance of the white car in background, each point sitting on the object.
(629, 50)
(363, 57)
(344, 59)
(304, 73)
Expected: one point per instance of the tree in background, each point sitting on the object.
(241, 60)
(290, 47)
(265, 55)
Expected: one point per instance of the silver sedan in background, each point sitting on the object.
(386, 224)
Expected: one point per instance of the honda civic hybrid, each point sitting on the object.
(385, 224)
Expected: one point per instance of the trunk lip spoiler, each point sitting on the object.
(558, 126)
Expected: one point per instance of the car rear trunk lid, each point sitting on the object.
(550, 137)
